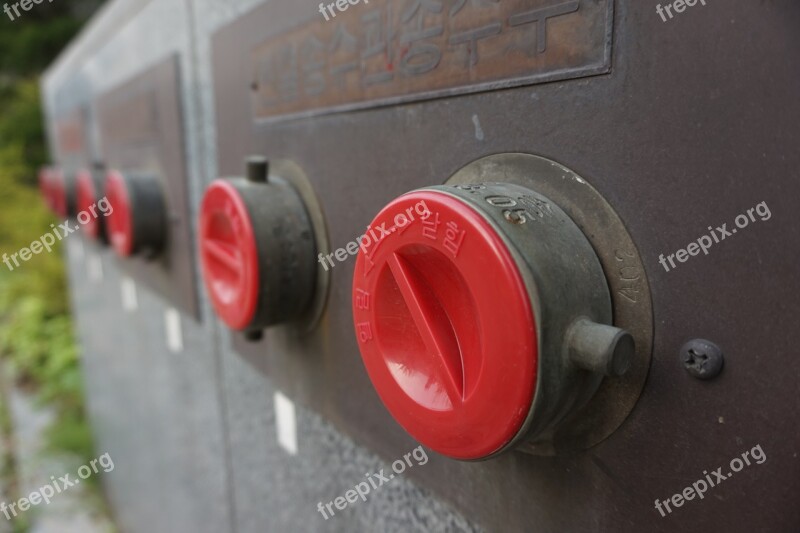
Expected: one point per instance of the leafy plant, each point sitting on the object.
(36, 337)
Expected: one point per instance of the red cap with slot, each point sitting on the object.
(86, 197)
(229, 255)
(58, 193)
(120, 220)
(445, 326)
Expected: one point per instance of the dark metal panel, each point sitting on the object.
(141, 131)
(696, 122)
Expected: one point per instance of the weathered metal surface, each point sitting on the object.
(389, 51)
(141, 132)
(696, 122)
(625, 275)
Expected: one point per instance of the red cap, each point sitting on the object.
(229, 255)
(46, 186)
(120, 220)
(58, 193)
(86, 197)
(445, 326)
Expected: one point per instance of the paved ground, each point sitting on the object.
(75, 510)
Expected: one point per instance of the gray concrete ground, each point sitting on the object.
(78, 509)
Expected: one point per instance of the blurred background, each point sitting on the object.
(42, 420)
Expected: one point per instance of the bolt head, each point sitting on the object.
(702, 359)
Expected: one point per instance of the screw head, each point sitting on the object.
(702, 358)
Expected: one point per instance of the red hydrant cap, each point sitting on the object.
(229, 255)
(445, 325)
(86, 197)
(120, 220)
(58, 193)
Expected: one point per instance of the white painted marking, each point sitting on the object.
(172, 323)
(478, 130)
(95, 268)
(129, 301)
(80, 250)
(286, 421)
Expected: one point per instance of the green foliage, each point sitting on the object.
(36, 338)
(30, 42)
(42, 351)
(71, 432)
(23, 217)
(36, 335)
(21, 128)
